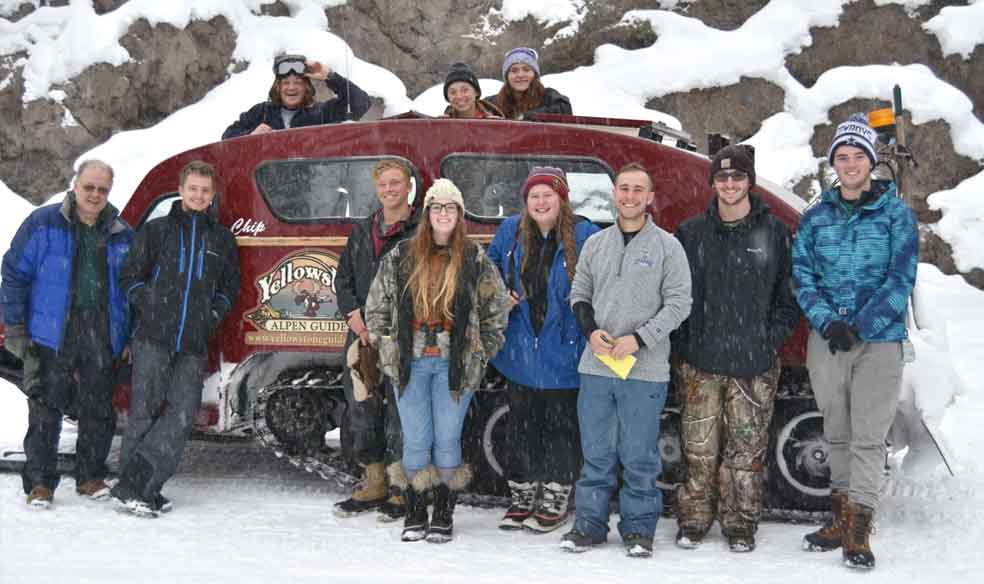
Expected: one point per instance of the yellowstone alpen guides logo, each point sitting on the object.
(297, 303)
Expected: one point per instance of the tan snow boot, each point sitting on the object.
(368, 496)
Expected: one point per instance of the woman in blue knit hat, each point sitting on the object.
(522, 92)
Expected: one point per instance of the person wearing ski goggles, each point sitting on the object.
(292, 99)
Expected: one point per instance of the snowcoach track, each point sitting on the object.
(323, 461)
(330, 464)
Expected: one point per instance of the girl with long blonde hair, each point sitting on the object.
(436, 310)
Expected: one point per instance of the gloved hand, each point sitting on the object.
(16, 340)
(841, 336)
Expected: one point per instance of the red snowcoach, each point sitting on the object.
(290, 198)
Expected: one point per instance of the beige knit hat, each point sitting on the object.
(444, 189)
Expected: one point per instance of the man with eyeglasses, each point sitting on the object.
(728, 369)
(292, 99)
(68, 320)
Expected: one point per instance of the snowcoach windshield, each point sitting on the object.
(313, 190)
(492, 184)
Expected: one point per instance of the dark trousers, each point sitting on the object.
(542, 434)
(78, 380)
(167, 392)
(374, 423)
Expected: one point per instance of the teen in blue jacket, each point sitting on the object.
(68, 320)
(536, 253)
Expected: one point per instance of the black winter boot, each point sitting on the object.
(415, 497)
(445, 497)
(442, 523)
(415, 521)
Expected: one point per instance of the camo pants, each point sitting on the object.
(725, 436)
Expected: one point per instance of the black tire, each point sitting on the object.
(797, 475)
(483, 442)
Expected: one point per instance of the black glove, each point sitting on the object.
(16, 340)
(841, 336)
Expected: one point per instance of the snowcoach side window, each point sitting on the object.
(160, 207)
(492, 184)
(314, 190)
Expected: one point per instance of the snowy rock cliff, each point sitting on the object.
(163, 67)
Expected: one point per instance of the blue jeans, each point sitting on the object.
(619, 424)
(430, 417)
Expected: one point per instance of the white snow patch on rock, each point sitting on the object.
(959, 28)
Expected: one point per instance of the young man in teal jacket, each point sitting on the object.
(854, 266)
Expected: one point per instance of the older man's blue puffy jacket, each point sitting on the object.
(858, 267)
(38, 270)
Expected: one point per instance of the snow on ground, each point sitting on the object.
(242, 516)
(243, 521)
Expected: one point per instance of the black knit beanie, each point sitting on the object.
(461, 72)
(735, 157)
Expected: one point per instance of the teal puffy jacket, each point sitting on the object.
(858, 267)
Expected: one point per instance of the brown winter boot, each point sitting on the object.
(829, 536)
(857, 529)
(369, 495)
(40, 497)
(96, 489)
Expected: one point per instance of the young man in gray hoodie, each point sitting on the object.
(630, 290)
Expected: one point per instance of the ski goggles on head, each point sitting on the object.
(289, 65)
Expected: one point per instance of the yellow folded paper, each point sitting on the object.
(621, 367)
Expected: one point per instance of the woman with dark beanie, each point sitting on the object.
(462, 91)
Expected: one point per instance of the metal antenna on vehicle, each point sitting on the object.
(348, 83)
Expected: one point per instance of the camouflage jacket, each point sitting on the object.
(474, 339)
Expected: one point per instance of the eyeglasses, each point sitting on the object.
(735, 175)
(438, 208)
(290, 66)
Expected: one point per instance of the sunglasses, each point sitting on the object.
(290, 67)
(735, 175)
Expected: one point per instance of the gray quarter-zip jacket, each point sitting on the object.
(642, 287)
